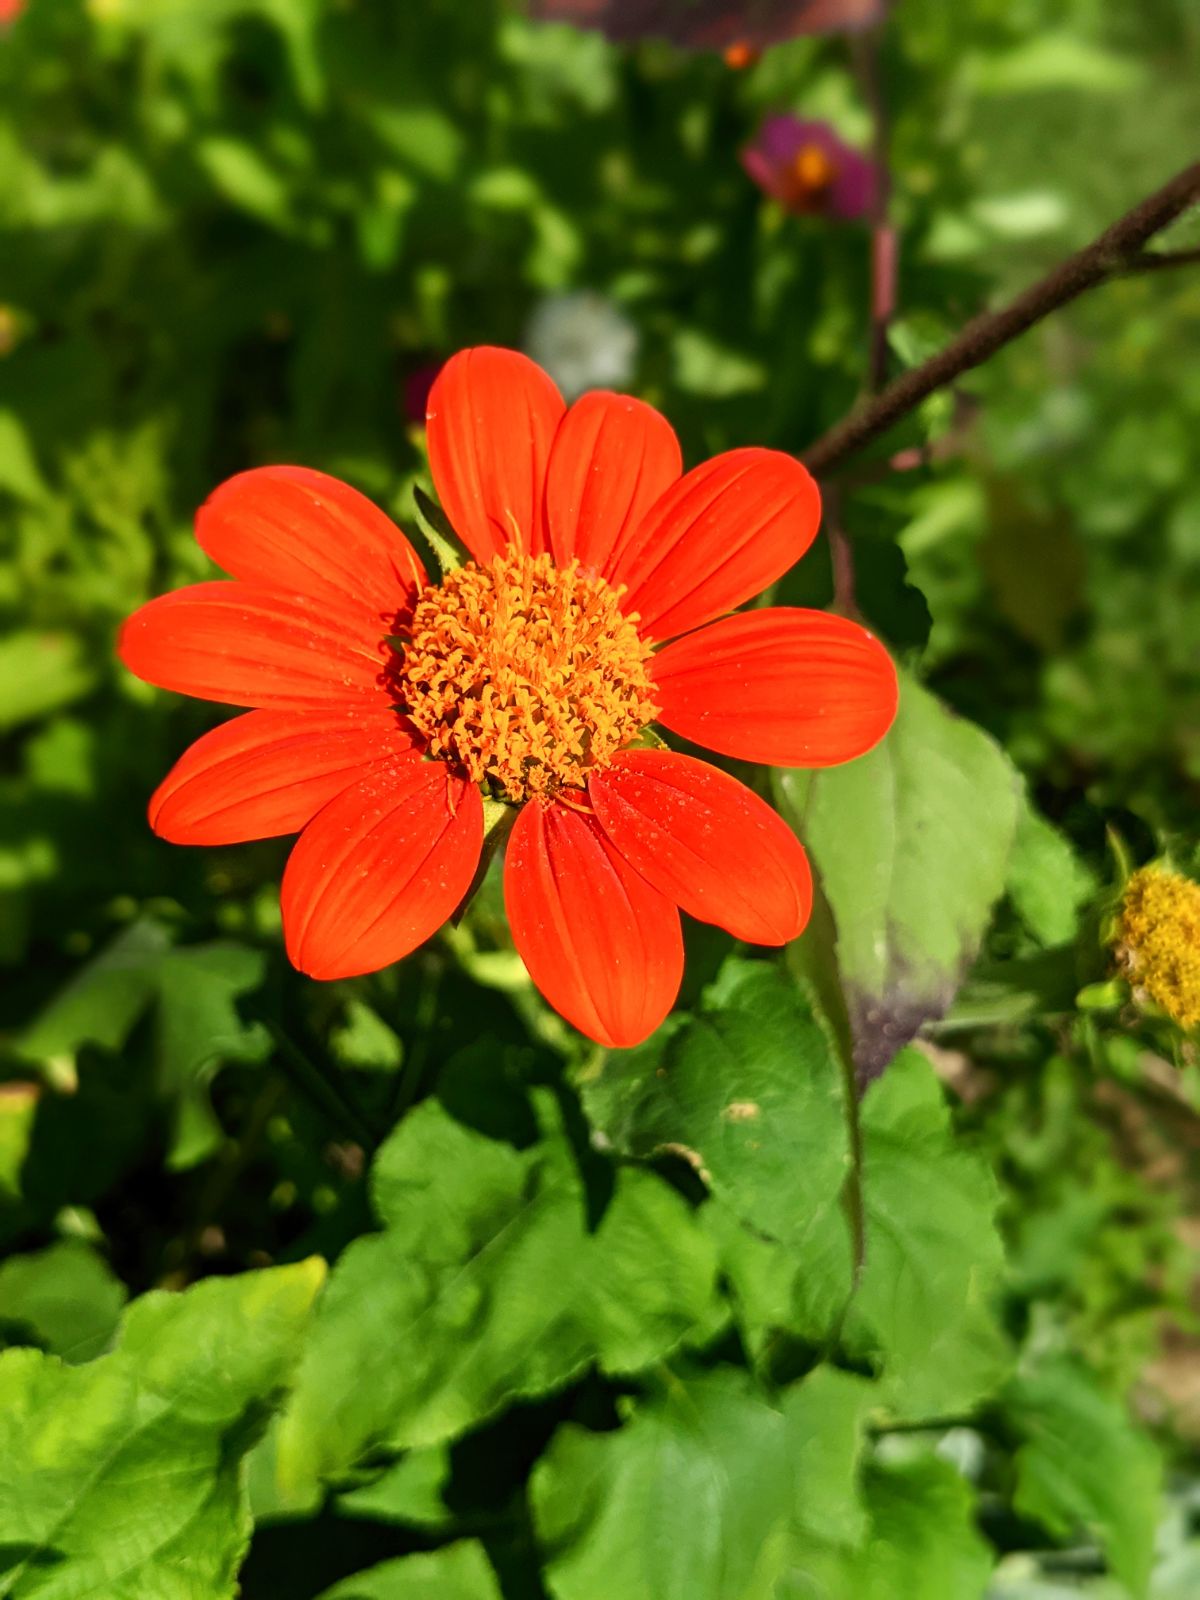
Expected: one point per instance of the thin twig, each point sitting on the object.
(917, 456)
(841, 556)
(1160, 261)
(411, 1075)
(883, 235)
(1106, 257)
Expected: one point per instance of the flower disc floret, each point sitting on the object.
(1160, 941)
(526, 676)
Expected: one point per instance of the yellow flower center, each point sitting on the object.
(525, 675)
(1160, 941)
(809, 176)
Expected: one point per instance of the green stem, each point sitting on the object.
(498, 819)
(853, 1192)
(313, 1083)
(225, 1174)
(412, 1068)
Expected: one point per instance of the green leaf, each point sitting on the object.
(102, 1002)
(197, 1027)
(826, 1416)
(749, 1087)
(689, 1500)
(364, 1040)
(18, 1108)
(241, 175)
(748, 1090)
(922, 1545)
(19, 472)
(912, 845)
(411, 1491)
(1083, 1466)
(1054, 62)
(710, 1492)
(423, 137)
(199, 1030)
(457, 1572)
(64, 1299)
(704, 367)
(1022, 536)
(933, 1257)
(39, 673)
(501, 1272)
(1047, 882)
(123, 1477)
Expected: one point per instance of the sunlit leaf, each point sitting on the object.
(912, 844)
(64, 1299)
(123, 1477)
(502, 1271)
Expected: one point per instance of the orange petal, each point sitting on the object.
(611, 459)
(603, 946)
(491, 419)
(707, 843)
(269, 772)
(717, 538)
(380, 868)
(787, 687)
(301, 532)
(246, 646)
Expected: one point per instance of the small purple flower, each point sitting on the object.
(810, 170)
(712, 24)
(417, 384)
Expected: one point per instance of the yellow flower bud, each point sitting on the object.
(1159, 941)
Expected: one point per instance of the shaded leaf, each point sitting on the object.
(199, 1030)
(197, 1026)
(458, 1572)
(410, 1491)
(39, 673)
(690, 1500)
(922, 1544)
(1083, 1466)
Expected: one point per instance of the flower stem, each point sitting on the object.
(883, 235)
(309, 1078)
(853, 1192)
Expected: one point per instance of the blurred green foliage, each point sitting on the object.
(667, 1324)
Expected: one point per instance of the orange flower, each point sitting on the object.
(597, 602)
